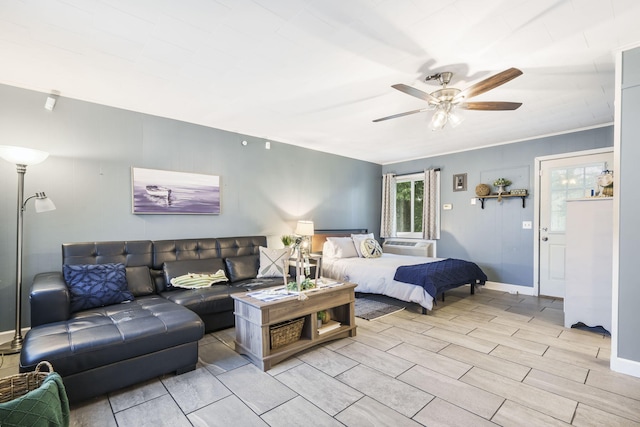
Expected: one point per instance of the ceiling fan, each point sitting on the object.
(447, 100)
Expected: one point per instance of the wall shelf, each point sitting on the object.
(504, 196)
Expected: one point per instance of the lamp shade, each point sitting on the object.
(304, 228)
(43, 203)
(22, 155)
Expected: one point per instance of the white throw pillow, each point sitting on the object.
(343, 247)
(358, 239)
(273, 262)
(370, 248)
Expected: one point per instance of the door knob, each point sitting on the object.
(544, 239)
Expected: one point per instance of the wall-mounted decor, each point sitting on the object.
(460, 182)
(605, 184)
(167, 192)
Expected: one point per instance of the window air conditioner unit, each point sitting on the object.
(413, 247)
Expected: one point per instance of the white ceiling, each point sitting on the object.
(315, 73)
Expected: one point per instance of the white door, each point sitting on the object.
(562, 179)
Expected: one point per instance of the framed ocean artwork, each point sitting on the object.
(167, 192)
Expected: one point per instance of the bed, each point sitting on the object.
(379, 275)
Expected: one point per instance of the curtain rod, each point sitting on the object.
(413, 173)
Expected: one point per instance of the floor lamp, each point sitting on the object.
(22, 157)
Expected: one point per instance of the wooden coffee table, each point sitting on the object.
(255, 318)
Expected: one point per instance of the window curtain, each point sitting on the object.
(388, 217)
(431, 205)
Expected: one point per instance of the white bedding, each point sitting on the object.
(375, 276)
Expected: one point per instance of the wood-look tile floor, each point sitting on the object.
(491, 358)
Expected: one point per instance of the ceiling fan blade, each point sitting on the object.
(489, 83)
(489, 106)
(401, 114)
(417, 93)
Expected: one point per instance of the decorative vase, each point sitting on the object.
(483, 190)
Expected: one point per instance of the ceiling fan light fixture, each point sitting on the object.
(446, 99)
(439, 119)
(455, 117)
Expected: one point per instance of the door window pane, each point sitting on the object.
(574, 182)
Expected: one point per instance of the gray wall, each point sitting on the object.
(493, 237)
(628, 289)
(88, 176)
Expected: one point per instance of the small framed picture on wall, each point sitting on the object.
(460, 182)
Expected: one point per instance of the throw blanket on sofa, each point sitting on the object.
(437, 277)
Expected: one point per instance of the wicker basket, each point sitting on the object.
(286, 332)
(18, 385)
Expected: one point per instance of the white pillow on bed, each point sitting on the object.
(343, 247)
(358, 239)
(328, 250)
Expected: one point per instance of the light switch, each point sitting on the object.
(473, 201)
(526, 225)
(447, 206)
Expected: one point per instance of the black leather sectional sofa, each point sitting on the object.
(106, 348)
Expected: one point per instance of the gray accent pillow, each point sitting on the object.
(273, 262)
(242, 267)
(139, 281)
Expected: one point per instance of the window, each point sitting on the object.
(409, 205)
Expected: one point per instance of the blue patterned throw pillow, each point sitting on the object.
(96, 285)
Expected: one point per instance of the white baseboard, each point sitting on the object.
(512, 289)
(625, 366)
(6, 336)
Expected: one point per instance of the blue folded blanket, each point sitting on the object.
(440, 276)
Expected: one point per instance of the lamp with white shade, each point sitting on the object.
(22, 157)
(305, 228)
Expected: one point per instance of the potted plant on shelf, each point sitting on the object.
(501, 183)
